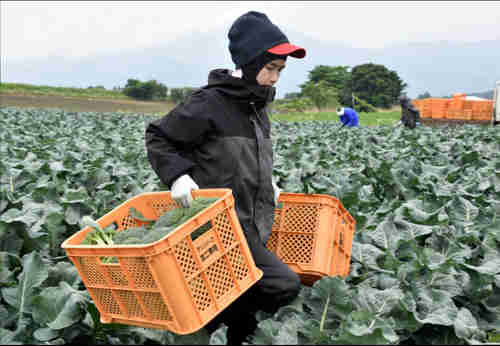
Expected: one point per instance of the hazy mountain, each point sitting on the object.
(441, 68)
(484, 95)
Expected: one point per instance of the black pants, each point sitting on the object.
(278, 286)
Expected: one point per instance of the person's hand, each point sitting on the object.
(181, 190)
(277, 192)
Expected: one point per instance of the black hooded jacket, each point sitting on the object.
(220, 136)
(409, 114)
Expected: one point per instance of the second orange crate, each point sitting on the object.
(313, 234)
(175, 283)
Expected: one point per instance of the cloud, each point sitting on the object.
(85, 28)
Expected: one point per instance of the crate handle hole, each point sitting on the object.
(109, 260)
(207, 226)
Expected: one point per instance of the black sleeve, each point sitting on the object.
(170, 139)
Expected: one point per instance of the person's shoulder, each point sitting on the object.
(197, 98)
(201, 103)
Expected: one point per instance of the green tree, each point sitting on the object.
(376, 84)
(321, 94)
(178, 95)
(338, 77)
(145, 90)
(296, 104)
(425, 95)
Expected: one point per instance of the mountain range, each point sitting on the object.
(440, 68)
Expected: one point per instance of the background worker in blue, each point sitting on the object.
(220, 137)
(348, 116)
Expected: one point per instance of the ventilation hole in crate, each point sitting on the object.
(224, 229)
(117, 276)
(139, 271)
(163, 206)
(128, 222)
(106, 300)
(301, 218)
(185, 258)
(272, 242)
(238, 263)
(220, 277)
(200, 293)
(341, 239)
(296, 248)
(90, 270)
(130, 302)
(156, 306)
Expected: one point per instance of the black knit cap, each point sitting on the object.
(252, 34)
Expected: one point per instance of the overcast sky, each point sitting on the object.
(86, 28)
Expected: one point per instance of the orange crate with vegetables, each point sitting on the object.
(179, 282)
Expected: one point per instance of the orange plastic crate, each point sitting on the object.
(312, 233)
(482, 115)
(175, 283)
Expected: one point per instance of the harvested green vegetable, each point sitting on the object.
(151, 232)
(97, 236)
(135, 232)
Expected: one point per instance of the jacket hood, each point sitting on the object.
(239, 89)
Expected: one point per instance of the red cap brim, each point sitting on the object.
(288, 49)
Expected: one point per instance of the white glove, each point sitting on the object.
(181, 190)
(277, 192)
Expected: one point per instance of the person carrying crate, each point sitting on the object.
(220, 137)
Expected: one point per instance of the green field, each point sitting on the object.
(365, 119)
(55, 97)
(425, 255)
(19, 88)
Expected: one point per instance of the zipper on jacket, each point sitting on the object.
(254, 122)
(255, 111)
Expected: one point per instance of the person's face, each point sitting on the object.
(270, 73)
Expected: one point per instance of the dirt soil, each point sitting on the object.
(79, 104)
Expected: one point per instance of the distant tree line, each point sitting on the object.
(364, 87)
(154, 90)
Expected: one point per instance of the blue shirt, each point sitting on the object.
(350, 117)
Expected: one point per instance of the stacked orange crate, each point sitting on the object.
(456, 107)
(483, 110)
(432, 104)
(488, 110)
(439, 108)
(426, 111)
(468, 109)
(444, 107)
